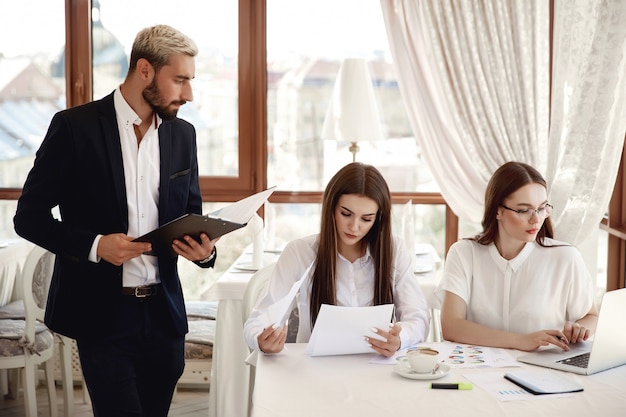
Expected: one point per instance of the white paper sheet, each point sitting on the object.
(278, 313)
(341, 330)
(243, 210)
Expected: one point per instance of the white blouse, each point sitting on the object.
(540, 289)
(355, 287)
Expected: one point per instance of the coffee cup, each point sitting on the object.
(421, 360)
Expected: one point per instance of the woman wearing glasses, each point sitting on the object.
(513, 285)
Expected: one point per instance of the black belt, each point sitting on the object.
(143, 291)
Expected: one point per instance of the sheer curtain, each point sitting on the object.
(588, 112)
(475, 80)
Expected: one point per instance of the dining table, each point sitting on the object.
(230, 375)
(229, 394)
(293, 383)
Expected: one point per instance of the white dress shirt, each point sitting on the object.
(141, 175)
(539, 289)
(354, 287)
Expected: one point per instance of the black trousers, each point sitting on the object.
(134, 371)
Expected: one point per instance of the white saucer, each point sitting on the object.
(402, 370)
(422, 249)
(246, 267)
(420, 269)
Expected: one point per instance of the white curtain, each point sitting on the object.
(588, 112)
(469, 75)
(474, 76)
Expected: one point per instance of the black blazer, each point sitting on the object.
(79, 169)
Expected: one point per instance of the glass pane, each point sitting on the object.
(303, 62)
(32, 88)
(196, 281)
(213, 26)
(420, 224)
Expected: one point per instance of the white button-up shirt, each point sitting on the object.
(539, 289)
(141, 176)
(354, 288)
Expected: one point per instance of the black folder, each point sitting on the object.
(188, 224)
(238, 213)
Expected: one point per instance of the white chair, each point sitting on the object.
(255, 290)
(27, 343)
(68, 371)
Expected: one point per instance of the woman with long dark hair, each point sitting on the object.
(514, 285)
(356, 262)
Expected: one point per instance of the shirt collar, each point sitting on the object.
(366, 257)
(126, 115)
(516, 262)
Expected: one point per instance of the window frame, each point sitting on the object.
(614, 223)
(253, 131)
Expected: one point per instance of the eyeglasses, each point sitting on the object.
(527, 214)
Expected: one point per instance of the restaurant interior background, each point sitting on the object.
(305, 47)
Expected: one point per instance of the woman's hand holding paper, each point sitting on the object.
(392, 342)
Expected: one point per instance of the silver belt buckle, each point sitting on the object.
(142, 295)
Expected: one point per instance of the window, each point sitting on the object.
(213, 111)
(302, 65)
(32, 88)
(615, 225)
(264, 77)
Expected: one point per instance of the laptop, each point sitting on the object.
(606, 350)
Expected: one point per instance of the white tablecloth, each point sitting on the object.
(230, 375)
(294, 384)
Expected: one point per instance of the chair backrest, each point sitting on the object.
(256, 289)
(35, 283)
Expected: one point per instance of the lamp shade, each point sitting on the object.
(352, 114)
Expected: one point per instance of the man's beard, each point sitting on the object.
(152, 95)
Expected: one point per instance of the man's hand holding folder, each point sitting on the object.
(216, 224)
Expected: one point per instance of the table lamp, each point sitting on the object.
(352, 114)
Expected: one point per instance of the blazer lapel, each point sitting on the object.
(108, 121)
(165, 148)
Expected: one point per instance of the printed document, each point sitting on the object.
(341, 330)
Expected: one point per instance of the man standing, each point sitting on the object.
(118, 168)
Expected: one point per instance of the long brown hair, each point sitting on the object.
(507, 179)
(365, 180)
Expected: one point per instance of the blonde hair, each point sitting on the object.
(157, 43)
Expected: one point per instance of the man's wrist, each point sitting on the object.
(208, 258)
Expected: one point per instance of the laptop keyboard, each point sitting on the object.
(580, 361)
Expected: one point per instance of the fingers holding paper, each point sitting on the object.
(391, 343)
(272, 339)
